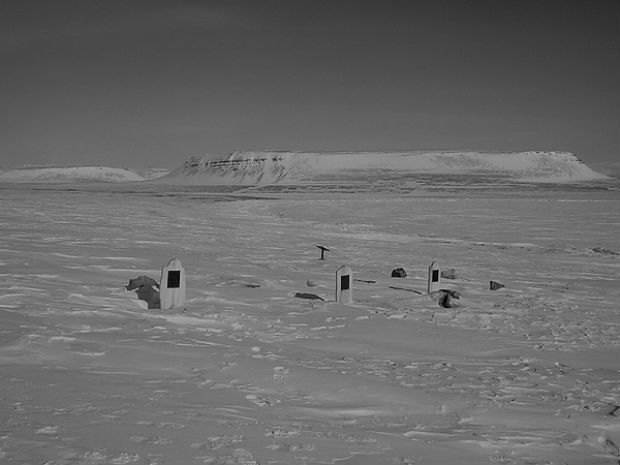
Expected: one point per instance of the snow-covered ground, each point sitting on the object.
(255, 370)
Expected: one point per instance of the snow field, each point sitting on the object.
(250, 373)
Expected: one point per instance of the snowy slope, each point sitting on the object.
(268, 167)
(608, 167)
(69, 174)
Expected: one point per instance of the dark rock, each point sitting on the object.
(150, 295)
(494, 285)
(141, 281)
(446, 296)
(399, 273)
(603, 250)
(147, 290)
(308, 295)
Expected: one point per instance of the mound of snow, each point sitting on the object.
(69, 174)
(267, 167)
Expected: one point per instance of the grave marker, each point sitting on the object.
(172, 285)
(434, 277)
(344, 285)
(322, 249)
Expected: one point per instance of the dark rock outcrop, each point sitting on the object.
(445, 297)
(399, 273)
(147, 289)
(308, 295)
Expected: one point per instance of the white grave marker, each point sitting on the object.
(172, 285)
(434, 277)
(344, 285)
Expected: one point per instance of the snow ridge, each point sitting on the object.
(51, 174)
(273, 167)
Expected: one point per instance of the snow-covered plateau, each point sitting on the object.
(268, 167)
(64, 174)
(262, 365)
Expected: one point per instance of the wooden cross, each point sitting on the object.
(323, 249)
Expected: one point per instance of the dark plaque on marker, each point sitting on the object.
(344, 283)
(174, 278)
(435, 276)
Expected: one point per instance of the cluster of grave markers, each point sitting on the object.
(344, 280)
(172, 284)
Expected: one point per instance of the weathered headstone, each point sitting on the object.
(172, 285)
(344, 285)
(434, 277)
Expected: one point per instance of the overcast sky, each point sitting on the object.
(149, 83)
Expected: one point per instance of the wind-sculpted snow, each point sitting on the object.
(50, 174)
(267, 167)
(256, 369)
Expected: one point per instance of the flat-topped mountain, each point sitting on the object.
(273, 167)
(69, 174)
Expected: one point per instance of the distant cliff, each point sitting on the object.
(267, 167)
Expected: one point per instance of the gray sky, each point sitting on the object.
(149, 83)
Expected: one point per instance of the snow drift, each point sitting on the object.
(250, 372)
(51, 174)
(270, 167)
(609, 168)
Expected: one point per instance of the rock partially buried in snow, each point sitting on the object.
(445, 297)
(308, 295)
(605, 251)
(399, 273)
(140, 281)
(147, 289)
